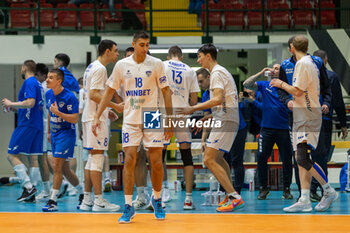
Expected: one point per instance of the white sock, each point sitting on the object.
(46, 186)
(188, 197)
(327, 188)
(87, 197)
(107, 176)
(128, 199)
(35, 176)
(21, 172)
(165, 184)
(79, 188)
(305, 195)
(14, 180)
(54, 194)
(156, 194)
(140, 192)
(235, 195)
(98, 197)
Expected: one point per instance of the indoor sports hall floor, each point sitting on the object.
(256, 216)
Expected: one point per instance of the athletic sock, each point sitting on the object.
(188, 197)
(35, 177)
(54, 194)
(156, 194)
(79, 188)
(327, 188)
(46, 186)
(107, 176)
(128, 199)
(98, 197)
(235, 195)
(305, 195)
(87, 197)
(14, 180)
(21, 172)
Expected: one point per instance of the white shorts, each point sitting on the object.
(222, 138)
(133, 135)
(182, 135)
(308, 130)
(90, 141)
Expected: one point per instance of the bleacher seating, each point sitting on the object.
(233, 18)
(20, 18)
(254, 18)
(87, 18)
(66, 18)
(46, 16)
(280, 18)
(214, 17)
(137, 5)
(302, 18)
(327, 16)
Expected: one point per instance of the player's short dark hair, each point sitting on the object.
(301, 43)
(209, 48)
(175, 51)
(140, 34)
(41, 68)
(320, 53)
(130, 49)
(290, 40)
(204, 72)
(64, 58)
(30, 64)
(59, 73)
(104, 45)
(81, 81)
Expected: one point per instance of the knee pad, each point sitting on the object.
(88, 163)
(186, 157)
(303, 156)
(97, 161)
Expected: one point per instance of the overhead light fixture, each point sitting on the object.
(165, 51)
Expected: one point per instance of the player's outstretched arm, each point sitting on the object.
(285, 86)
(27, 103)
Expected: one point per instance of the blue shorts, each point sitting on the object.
(63, 147)
(26, 141)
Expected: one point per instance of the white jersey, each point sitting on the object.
(183, 82)
(95, 78)
(141, 83)
(306, 78)
(81, 98)
(222, 79)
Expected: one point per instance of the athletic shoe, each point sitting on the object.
(50, 206)
(188, 205)
(158, 209)
(286, 194)
(27, 194)
(43, 196)
(140, 203)
(326, 201)
(103, 205)
(80, 200)
(224, 201)
(86, 206)
(128, 214)
(63, 190)
(4, 180)
(166, 195)
(30, 200)
(108, 187)
(314, 197)
(299, 206)
(263, 193)
(232, 204)
(150, 207)
(71, 191)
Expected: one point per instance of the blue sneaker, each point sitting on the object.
(158, 209)
(128, 214)
(50, 206)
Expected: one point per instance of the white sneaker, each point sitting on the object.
(140, 203)
(326, 201)
(86, 206)
(43, 196)
(103, 205)
(188, 205)
(299, 207)
(166, 195)
(72, 192)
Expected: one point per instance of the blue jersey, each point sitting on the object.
(206, 97)
(70, 81)
(66, 103)
(31, 117)
(274, 113)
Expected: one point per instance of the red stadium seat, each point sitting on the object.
(214, 17)
(20, 18)
(280, 18)
(46, 16)
(233, 18)
(302, 18)
(66, 18)
(107, 14)
(255, 17)
(87, 18)
(327, 16)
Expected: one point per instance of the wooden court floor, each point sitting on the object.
(179, 223)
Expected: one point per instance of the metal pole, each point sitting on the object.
(207, 18)
(150, 18)
(319, 14)
(95, 18)
(38, 17)
(263, 17)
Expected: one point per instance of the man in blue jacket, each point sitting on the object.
(320, 155)
(61, 62)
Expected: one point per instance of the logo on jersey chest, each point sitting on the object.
(128, 74)
(148, 73)
(61, 104)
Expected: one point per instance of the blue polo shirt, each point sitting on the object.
(31, 117)
(66, 103)
(274, 113)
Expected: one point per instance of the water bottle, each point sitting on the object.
(251, 186)
(212, 183)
